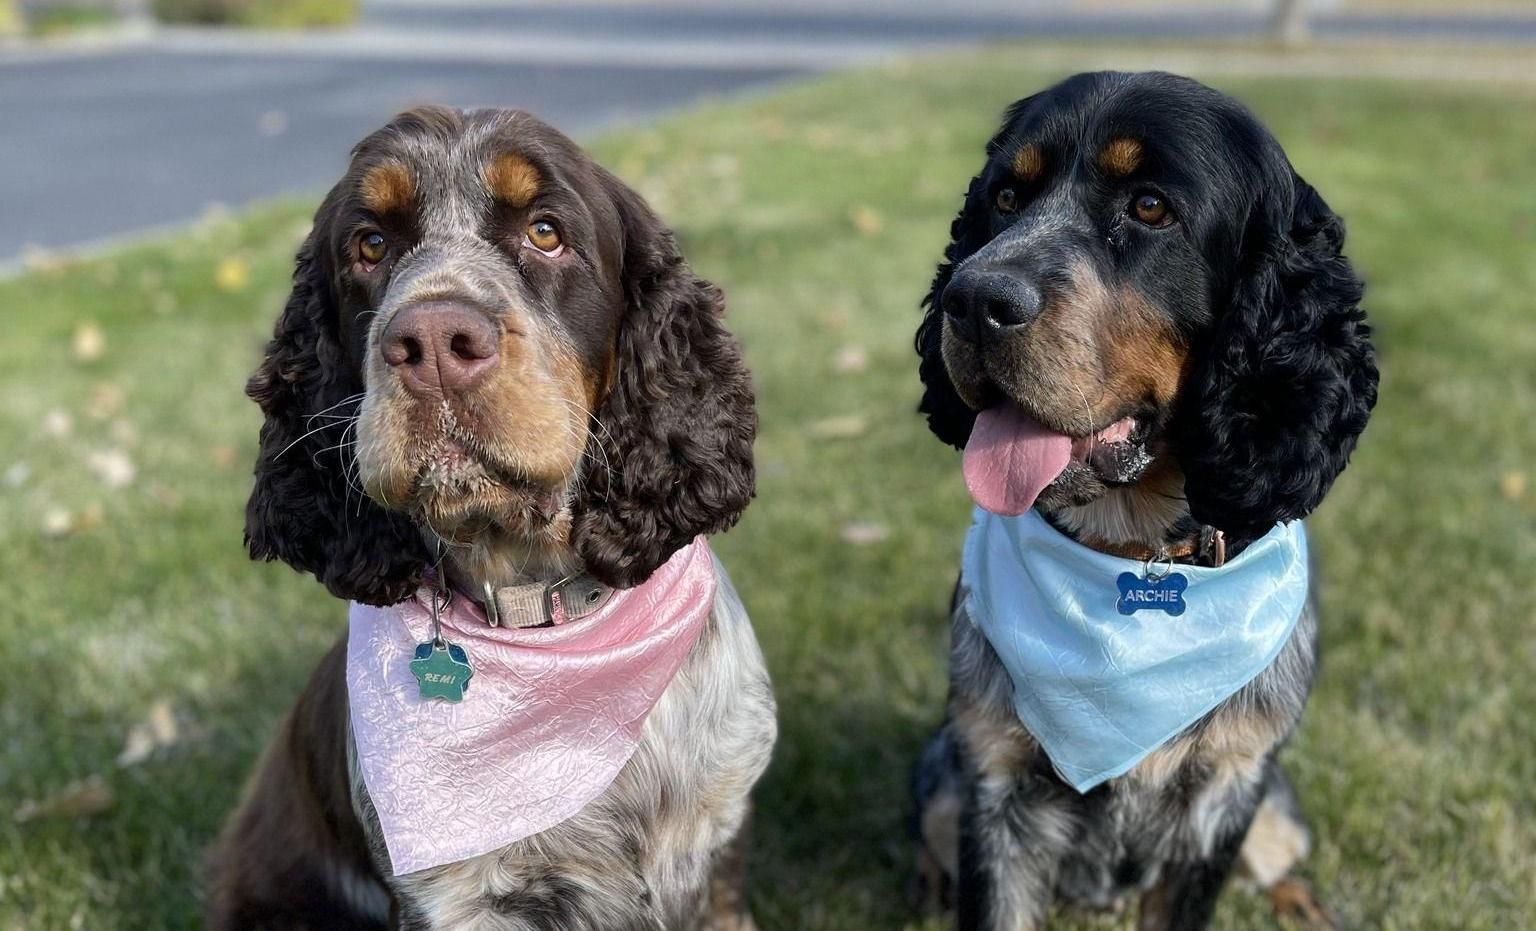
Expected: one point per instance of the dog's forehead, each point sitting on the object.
(1117, 123)
(449, 167)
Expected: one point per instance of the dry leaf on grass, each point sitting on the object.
(844, 427)
(866, 220)
(80, 799)
(57, 522)
(58, 424)
(89, 343)
(232, 274)
(1513, 485)
(850, 359)
(863, 534)
(224, 456)
(157, 730)
(112, 467)
(106, 401)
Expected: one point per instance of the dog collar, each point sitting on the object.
(548, 719)
(538, 603)
(1110, 658)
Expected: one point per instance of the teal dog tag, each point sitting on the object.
(442, 670)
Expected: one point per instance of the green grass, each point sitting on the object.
(821, 209)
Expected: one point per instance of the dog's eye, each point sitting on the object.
(1151, 209)
(371, 248)
(544, 236)
(1007, 200)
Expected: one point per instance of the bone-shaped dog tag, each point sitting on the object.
(1164, 593)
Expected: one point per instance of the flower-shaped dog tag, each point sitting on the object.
(442, 670)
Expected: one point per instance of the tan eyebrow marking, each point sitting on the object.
(1027, 162)
(512, 179)
(388, 187)
(1121, 157)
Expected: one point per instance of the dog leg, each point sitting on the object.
(727, 909)
(1184, 897)
(292, 857)
(1014, 833)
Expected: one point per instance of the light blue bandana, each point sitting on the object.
(1101, 683)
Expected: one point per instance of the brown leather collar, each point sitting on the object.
(1207, 548)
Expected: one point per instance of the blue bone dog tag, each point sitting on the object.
(1139, 594)
(442, 670)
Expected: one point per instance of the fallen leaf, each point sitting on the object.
(1513, 485)
(850, 359)
(866, 220)
(232, 274)
(89, 343)
(57, 424)
(157, 730)
(57, 522)
(112, 467)
(106, 401)
(842, 427)
(224, 457)
(91, 517)
(863, 534)
(80, 799)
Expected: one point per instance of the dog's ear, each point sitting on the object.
(949, 418)
(304, 509)
(1280, 393)
(672, 452)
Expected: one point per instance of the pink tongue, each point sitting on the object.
(1011, 458)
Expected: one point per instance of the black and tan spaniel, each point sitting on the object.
(497, 382)
(1146, 338)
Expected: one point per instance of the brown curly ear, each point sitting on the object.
(677, 427)
(302, 509)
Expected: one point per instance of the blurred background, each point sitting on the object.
(159, 162)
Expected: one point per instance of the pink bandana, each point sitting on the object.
(549, 720)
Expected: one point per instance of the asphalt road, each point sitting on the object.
(99, 144)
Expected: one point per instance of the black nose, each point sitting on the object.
(982, 304)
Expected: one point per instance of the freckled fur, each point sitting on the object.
(1234, 336)
(619, 395)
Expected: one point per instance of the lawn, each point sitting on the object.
(146, 660)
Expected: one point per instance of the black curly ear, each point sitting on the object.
(949, 418)
(677, 427)
(302, 509)
(1279, 395)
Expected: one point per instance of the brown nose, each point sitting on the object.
(440, 348)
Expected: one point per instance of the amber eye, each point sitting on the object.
(1007, 200)
(544, 236)
(1151, 209)
(372, 248)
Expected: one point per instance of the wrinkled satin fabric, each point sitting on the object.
(548, 721)
(1100, 690)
